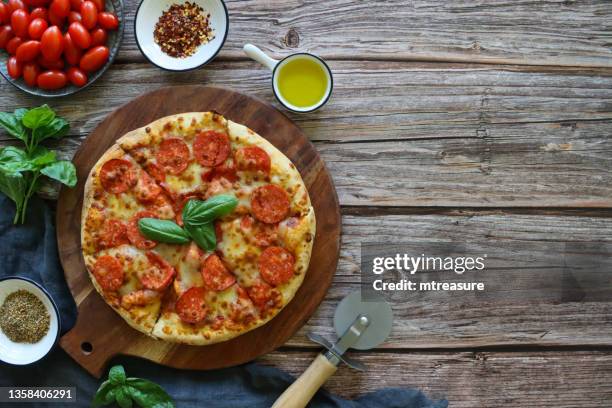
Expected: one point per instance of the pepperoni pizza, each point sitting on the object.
(181, 293)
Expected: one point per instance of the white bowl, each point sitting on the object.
(25, 353)
(149, 12)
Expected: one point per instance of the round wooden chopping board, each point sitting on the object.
(100, 333)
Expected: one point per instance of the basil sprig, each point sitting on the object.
(21, 170)
(198, 220)
(127, 390)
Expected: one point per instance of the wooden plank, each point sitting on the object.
(373, 100)
(522, 32)
(537, 307)
(443, 135)
(475, 379)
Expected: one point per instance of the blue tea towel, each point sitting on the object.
(30, 250)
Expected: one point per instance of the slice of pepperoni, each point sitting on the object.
(113, 234)
(226, 170)
(108, 272)
(156, 172)
(133, 233)
(253, 158)
(211, 148)
(146, 189)
(218, 231)
(191, 306)
(117, 176)
(215, 275)
(270, 203)
(276, 265)
(173, 155)
(261, 294)
(159, 275)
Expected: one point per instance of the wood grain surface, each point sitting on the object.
(482, 120)
(543, 32)
(111, 335)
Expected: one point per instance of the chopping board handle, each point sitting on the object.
(306, 386)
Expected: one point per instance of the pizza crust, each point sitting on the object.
(167, 326)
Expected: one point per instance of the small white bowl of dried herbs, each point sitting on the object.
(29, 321)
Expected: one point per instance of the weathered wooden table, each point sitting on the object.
(479, 119)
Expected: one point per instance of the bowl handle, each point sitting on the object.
(258, 55)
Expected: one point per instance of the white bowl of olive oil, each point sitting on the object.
(301, 82)
(29, 321)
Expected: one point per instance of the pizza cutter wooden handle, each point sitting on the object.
(306, 386)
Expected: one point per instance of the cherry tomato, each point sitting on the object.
(99, 4)
(98, 37)
(45, 63)
(76, 4)
(89, 12)
(52, 43)
(14, 67)
(4, 13)
(108, 21)
(36, 28)
(94, 58)
(72, 53)
(20, 20)
(6, 33)
(55, 19)
(30, 73)
(37, 3)
(27, 51)
(13, 44)
(77, 77)
(40, 12)
(53, 79)
(60, 8)
(16, 5)
(80, 35)
(74, 16)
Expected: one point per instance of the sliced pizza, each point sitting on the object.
(180, 292)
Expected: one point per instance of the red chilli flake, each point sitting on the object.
(182, 29)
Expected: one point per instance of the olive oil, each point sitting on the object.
(302, 82)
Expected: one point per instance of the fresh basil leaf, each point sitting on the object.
(148, 394)
(20, 113)
(56, 129)
(105, 394)
(203, 235)
(13, 159)
(12, 154)
(13, 185)
(41, 156)
(38, 117)
(202, 212)
(162, 231)
(116, 375)
(123, 397)
(13, 126)
(62, 171)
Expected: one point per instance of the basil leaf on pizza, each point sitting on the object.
(162, 231)
(199, 212)
(203, 235)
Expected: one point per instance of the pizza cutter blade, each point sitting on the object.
(360, 325)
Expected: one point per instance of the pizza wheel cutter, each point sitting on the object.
(359, 324)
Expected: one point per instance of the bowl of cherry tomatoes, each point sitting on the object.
(58, 47)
